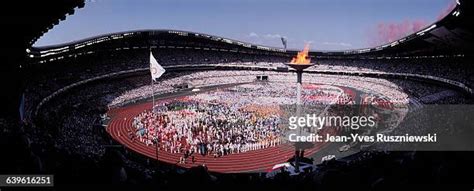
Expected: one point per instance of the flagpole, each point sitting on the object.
(152, 96)
(156, 71)
(153, 112)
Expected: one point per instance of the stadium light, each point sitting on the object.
(456, 13)
(426, 30)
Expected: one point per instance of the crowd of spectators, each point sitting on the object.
(69, 138)
(72, 120)
(45, 78)
(381, 87)
(457, 69)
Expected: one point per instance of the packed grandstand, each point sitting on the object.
(213, 117)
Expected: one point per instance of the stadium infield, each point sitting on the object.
(120, 126)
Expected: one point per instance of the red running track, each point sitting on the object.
(251, 161)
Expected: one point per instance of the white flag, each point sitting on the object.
(156, 69)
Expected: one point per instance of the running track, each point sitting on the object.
(251, 161)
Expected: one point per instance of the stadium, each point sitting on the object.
(90, 114)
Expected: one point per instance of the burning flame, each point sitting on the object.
(302, 57)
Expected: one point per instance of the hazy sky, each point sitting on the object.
(326, 24)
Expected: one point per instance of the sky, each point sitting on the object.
(325, 24)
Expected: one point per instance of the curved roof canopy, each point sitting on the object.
(452, 35)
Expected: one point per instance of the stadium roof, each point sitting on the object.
(29, 20)
(23, 22)
(452, 35)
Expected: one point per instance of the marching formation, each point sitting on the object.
(208, 129)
